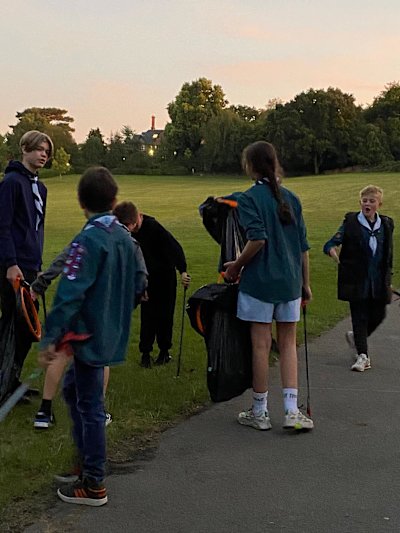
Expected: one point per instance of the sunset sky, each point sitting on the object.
(117, 63)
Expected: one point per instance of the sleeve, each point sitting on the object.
(79, 274)
(43, 194)
(335, 240)
(173, 249)
(250, 219)
(141, 271)
(8, 201)
(302, 230)
(42, 282)
(233, 196)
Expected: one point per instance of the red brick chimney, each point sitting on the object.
(153, 122)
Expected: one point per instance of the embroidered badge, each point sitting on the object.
(74, 260)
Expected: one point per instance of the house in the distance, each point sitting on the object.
(150, 140)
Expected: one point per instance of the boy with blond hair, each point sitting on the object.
(22, 212)
(365, 269)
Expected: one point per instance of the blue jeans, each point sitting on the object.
(83, 394)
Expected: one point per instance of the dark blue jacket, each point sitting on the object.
(20, 243)
(362, 275)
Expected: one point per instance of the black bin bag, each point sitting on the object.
(8, 370)
(22, 319)
(212, 313)
(221, 221)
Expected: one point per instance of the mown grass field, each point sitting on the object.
(144, 401)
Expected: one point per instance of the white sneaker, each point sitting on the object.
(108, 419)
(248, 418)
(297, 421)
(362, 363)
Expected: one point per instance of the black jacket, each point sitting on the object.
(162, 252)
(355, 262)
(20, 243)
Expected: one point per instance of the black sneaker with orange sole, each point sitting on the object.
(84, 492)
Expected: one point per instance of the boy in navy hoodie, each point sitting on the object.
(22, 213)
(94, 299)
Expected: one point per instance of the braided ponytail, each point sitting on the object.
(262, 159)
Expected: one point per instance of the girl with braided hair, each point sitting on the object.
(274, 273)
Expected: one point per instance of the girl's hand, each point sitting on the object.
(232, 272)
(306, 294)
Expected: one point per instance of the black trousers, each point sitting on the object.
(366, 315)
(157, 315)
(23, 339)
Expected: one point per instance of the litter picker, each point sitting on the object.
(18, 394)
(304, 307)
(178, 369)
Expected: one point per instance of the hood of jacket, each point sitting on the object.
(17, 166)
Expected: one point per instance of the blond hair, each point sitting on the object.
(372, 189)
(31, 140)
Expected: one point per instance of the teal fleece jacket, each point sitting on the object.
(96, 292)
(275, 273)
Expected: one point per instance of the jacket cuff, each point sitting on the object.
(11, 262)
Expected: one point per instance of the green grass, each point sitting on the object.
(143, 401)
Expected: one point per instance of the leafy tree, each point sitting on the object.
(50, 120)
(93, 150)
(385, 113)
(3, 153)
(130, 139)
(61, 162)
(386, 105)
(313, 131)
(116, 155)
(246, 113)
(123, 151)
(51, 115)
(195, 104)
(224, 137)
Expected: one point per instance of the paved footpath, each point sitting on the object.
(211, 475)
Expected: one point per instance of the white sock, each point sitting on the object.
(290, 400)
(259, 403)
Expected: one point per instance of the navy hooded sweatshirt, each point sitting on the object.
(20, 243)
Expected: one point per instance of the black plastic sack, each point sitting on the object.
(8, 371)
(212, 313)
(233, 240)
(221, 222)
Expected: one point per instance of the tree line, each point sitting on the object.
(318, 130)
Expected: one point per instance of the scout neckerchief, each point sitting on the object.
(103, 221)
(38, 200)
(373, 231)
(262, 181)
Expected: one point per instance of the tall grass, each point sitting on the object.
(142, 401)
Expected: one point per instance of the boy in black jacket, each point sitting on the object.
(163, 255)
(22, 213)
(365, 269)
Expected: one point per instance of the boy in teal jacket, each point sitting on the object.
(94, 299)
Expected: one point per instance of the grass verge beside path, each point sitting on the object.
(144, 401)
